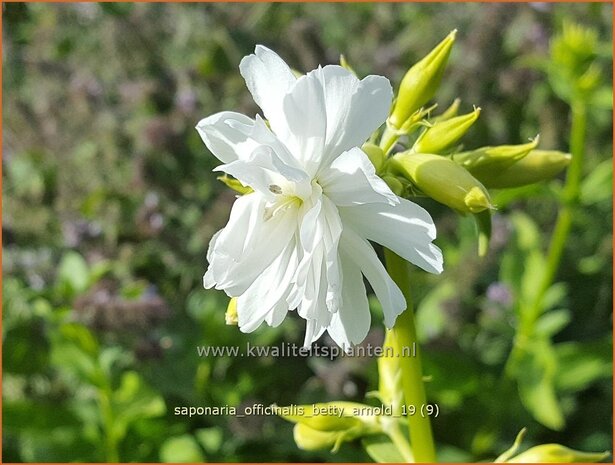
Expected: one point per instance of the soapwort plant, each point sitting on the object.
(339, 161)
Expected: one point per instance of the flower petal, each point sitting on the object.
(264, 170)
(239, 255)
(263, 301)
(355, 109)
(407, 229)
(221, 136)
(352, 180)
(319, 234)
(364, 256)
(306, 121)
(269, 79)
(351, 323)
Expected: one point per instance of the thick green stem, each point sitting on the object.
(404, 336)
(560, 232)
(389, 138)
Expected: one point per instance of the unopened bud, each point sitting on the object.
(538, 165)
(443, 134)
(327, 425)
(555, 453)
(230, 317)
(449, 113)
(375, 155)
(308, 438)
(488, 160)
(421, 82)
(443, 180)
(394, 184)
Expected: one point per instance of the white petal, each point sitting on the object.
(319, 232)
(269, 79)
(221, 137)
(306, 121)
(355, 109)
(352, 180)
(364, 256)
(351, 323)
(249, 243)
(263, 171)
(407, 229)
(277, 314)
(268, 292)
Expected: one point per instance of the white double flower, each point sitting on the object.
(300, 240)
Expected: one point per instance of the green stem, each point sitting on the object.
(397, 436)
(561, 230)
(404, 336)
(108, 418)
(389, 138)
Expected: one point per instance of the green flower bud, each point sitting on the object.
(449, 112)
(445, 133)
(329, 424)
(230, 317)
(332, 416)
(555, 453)
(308, 438)
(394, 184)
(538, 165)
(375, 155)
(486, 161)
(443, 180)
(421, 82)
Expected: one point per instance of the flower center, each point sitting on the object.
(283, 201)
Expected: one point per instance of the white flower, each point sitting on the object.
(300, 240)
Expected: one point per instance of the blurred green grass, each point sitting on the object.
(110, 202)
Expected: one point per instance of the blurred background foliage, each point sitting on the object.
(109, 204)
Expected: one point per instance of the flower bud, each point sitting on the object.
(230, 317)
(538, 165)
(555, 453)
(394, 184)
(449, 113)
(308, 438)
(486, 161)
(329, 424)
(331, 416)
(445, 133)
(421, 82)
(375, 155)
(443, 180)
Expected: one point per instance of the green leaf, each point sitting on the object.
(537, 370)
(181, 449)
(382, 450)
(133, 401)
(583, 363)
(598, 185)
(552, 322)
